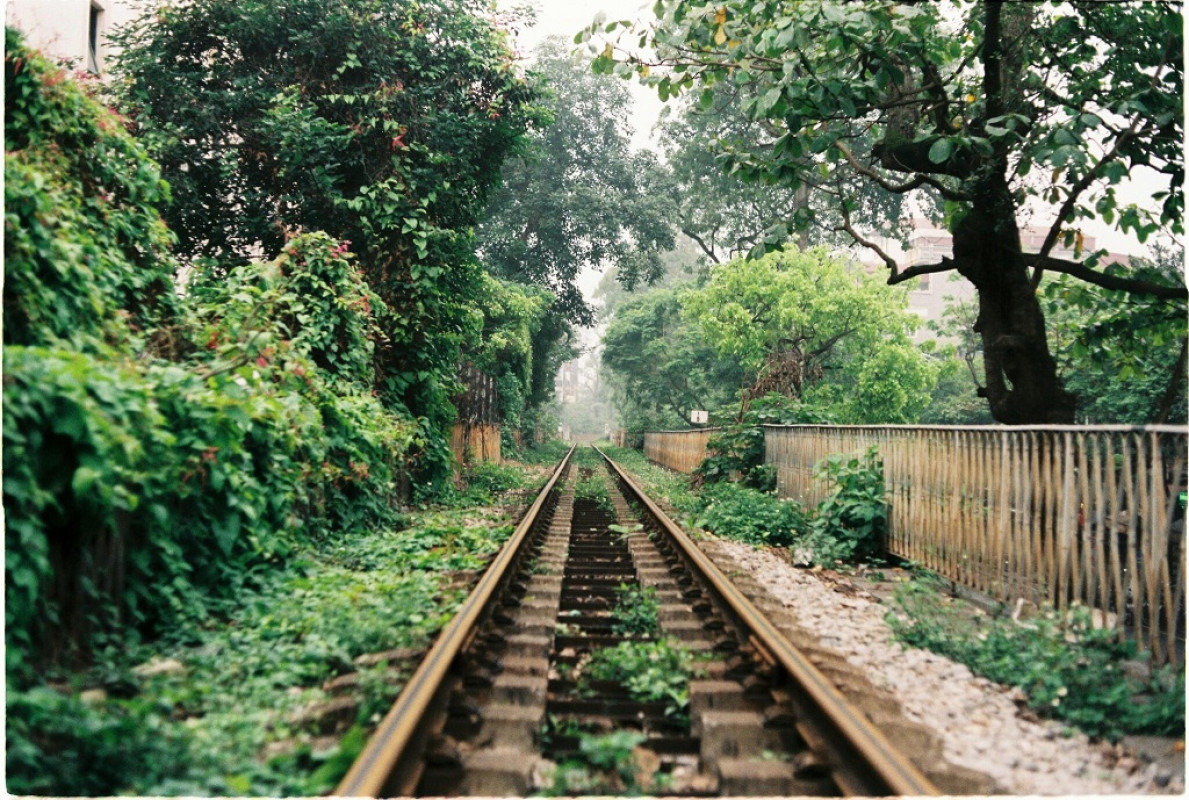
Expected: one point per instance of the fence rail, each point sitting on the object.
(682, 451)
(1059, 515)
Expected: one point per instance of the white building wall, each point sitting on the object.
(62, 28)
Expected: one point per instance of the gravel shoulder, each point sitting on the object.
(981, 724)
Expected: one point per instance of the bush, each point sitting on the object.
(86, 255)
(751, 516)
(851, 523)
(61, 746)
(159, 452)
(737, 452)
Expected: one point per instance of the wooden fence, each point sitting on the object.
(682, 451)
(476, 434)
(1059, 515)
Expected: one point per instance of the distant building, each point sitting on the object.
(76, 31)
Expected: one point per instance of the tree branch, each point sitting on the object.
(859, 238)
(1113, 282)
(898, 188)
(709, 251)
(1084, 183)
(945, 265)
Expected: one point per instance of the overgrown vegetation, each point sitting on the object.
(1068, 667)
(161, 453)
(232, 714)
(385, 125)
(651, 672)
(749, 515)
(636, 611)
(203, 482)
(848, 525)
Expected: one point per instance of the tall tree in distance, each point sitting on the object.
(578, 196)
(991, 106)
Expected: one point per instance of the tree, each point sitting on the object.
(578, 196)
(1125, 354)
(986, 105)
(660, 366)
(959, 358)
(384, 124)
(728, 217)
(804, 325)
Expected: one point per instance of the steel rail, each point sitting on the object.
(390, 763)
(864, 761)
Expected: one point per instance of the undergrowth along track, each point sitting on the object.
(603, 652)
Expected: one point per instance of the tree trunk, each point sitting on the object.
(1022, 385)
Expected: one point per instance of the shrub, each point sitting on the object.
(86, 255)
(158, 452)
(751, 516)
(851, 523)
(737, 452)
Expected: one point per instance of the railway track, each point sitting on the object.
(602, 652)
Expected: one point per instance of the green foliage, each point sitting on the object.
(606, 766)
(665, 485)
(660, 366)
(484, 483)
(851, 523)
(311, 301)
(636, 611)
(86, 255)
(737, 452)
(850, 99)
(520, 339)
(1124, 355)
(592, 488)
(727, 217)
(651, 671)
(578, 196)
(1068, 668)
(548, 453)
(205, 471)
(749, 515)
(805, 325)
(960, 356)
(57, 744)
(231, 722)
(155, 463)
(382, 124)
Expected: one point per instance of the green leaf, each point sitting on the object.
(941, 150)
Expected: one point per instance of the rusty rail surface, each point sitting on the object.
(391, 762)
(865, 763)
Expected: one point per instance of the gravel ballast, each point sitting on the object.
(979, 722)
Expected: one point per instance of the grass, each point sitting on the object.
(230, 718)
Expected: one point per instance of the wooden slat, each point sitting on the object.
(1063, 514)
